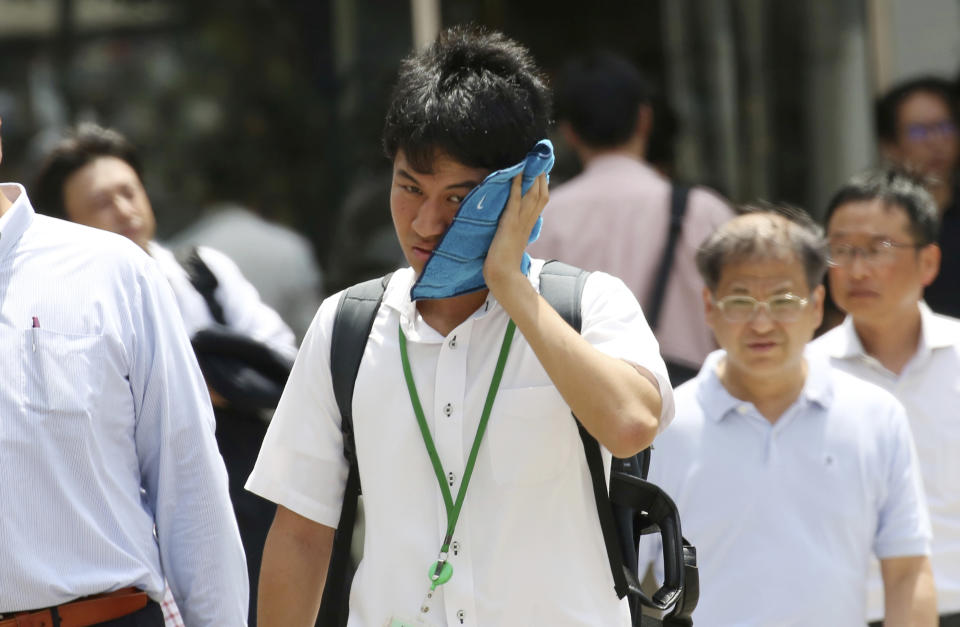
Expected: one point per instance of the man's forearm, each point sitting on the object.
(910, 595)
(293, 571)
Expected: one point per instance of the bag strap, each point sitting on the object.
(356, 312)
(678, 208)
(561, 285)
(202, 278)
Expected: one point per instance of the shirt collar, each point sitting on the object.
(397, 297)
(845, 342)
(614, 160)
(717, 403)
(17, 219)
(935, 332)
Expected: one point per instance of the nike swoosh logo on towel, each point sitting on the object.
(480, 204)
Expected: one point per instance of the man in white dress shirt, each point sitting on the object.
(788, 474)
(93, 177)
(472, 103)
(110, 478)
(882, 228)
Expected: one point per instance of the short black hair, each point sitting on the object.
(474, 95)
(599, 94)
(82, 145)
(765, 231)
(895, 187)
(887, 109)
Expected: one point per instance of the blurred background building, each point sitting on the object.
(277, 106)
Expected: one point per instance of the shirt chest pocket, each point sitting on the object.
(62, 373)
(532, 434)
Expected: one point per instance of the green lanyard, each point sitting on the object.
(441, 570)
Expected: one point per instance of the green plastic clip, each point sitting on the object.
(446, 572)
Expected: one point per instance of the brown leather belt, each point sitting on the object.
(83, 612)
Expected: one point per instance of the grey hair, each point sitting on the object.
(765, 232)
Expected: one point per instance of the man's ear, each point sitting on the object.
(708, 307)
(569, 135)
(644, 122)
(890, 151)
(929, 257)
(819, 295)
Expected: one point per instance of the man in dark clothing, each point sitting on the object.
(917, 130)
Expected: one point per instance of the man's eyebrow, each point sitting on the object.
(875, 237)
(468, 183)
(406, 175)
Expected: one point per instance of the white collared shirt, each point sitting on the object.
(528, 548)
(929, 388)
(106, 430)
(785, 516)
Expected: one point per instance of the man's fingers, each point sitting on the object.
(544, 190)
(516, 191)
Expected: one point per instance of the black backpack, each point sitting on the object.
(631, 508)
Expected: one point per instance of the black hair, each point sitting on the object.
(895, 188)
(887, 109)
(474, 95)
(82, 145)
(599, 95)
(787, 232)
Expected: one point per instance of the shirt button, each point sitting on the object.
(461, 615)
(742, 409)
(448, 409)
(453, 342)
(451, 478)
(456, 547)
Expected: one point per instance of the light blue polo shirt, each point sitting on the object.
(785, 516)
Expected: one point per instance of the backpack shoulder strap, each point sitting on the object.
(202, 278)
(678, 208)
(356, 312)
(561, 285)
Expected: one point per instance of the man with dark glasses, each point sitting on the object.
(917, 129)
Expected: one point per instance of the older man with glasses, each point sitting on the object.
(789, 474)
(882, 228)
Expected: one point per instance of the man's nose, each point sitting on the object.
(762, 320)
(858, 266)
(432, 218)
(124, 208)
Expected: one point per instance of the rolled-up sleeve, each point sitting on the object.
(614, 324)
(301, 464)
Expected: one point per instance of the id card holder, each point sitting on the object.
(407, 622)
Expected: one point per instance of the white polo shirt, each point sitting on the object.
(785, 516)
(929, 388)
(528, 549)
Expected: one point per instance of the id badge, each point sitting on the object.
(407, 622)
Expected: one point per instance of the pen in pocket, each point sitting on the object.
(34, 327)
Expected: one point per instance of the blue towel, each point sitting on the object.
(456, 265)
